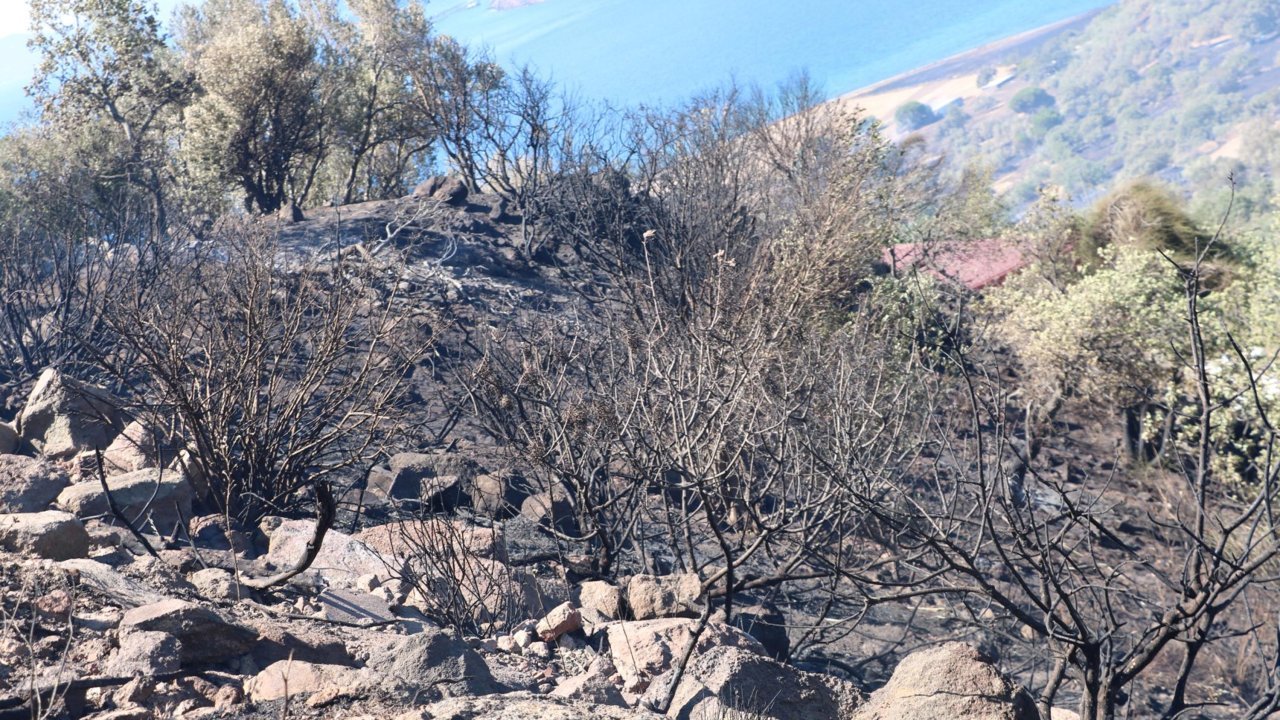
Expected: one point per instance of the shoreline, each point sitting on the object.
(973, 59)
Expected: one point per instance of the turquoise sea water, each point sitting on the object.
(633, 51)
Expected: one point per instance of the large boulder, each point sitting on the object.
(204, 636)
(952, 680)
(29, 484)
(162, 496)
(51, 534)
(342, 558)
(643, 649)
(64, 417)
(653, 596)
(732, 682)
(429, 662)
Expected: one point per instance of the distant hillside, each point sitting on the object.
(1185, 91)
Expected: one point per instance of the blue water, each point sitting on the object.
(654, 51)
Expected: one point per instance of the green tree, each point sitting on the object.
(261, 120)
(1031, 99)
(914, 115)
(105, 62)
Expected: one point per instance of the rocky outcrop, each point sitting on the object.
(64, 417)
(29, 484)
(51, 534)
(732, 682)
(951, 681)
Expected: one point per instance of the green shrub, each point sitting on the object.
(1029, 100)
(914, 115)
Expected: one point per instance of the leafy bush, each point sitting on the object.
(914, 115)
(1029, 100)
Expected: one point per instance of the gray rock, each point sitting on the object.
(64, 417)
(562, 619)
(138, 447)
(602, 597)
(109, 584)
(292, 678)
(732, 682)
(217, 584)
(354, 608)
(50, 534)
(432, 661)
(952, 680)
(8, 438)
(436, 480)
(521, 706)
(342, 559)
(29, 484)
(204, 635)
(651, 596)
(496, 495)
(162, 496)
(644, 649)
(145, 653)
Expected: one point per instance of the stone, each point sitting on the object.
(145, 653)
(539, 651)
(404, 539)
(354, 608)
(216, 584)
(342, 558)
(593, 686)
(434, 480)
(296, 678)
(451, 192)
(163, 496)
(952, 680)
(551, 509)
(766, 624)
(307, 642)
(732, 682)
(496, 495)
(521, 706)
(28, 484)
(603, 597)
(50, 534)
(644, 649)
(108, 583)
(432, 661)
(8, 438)
(138, 447)
(204, 635)
(64, 417)
(652, 596)
(563, 618)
